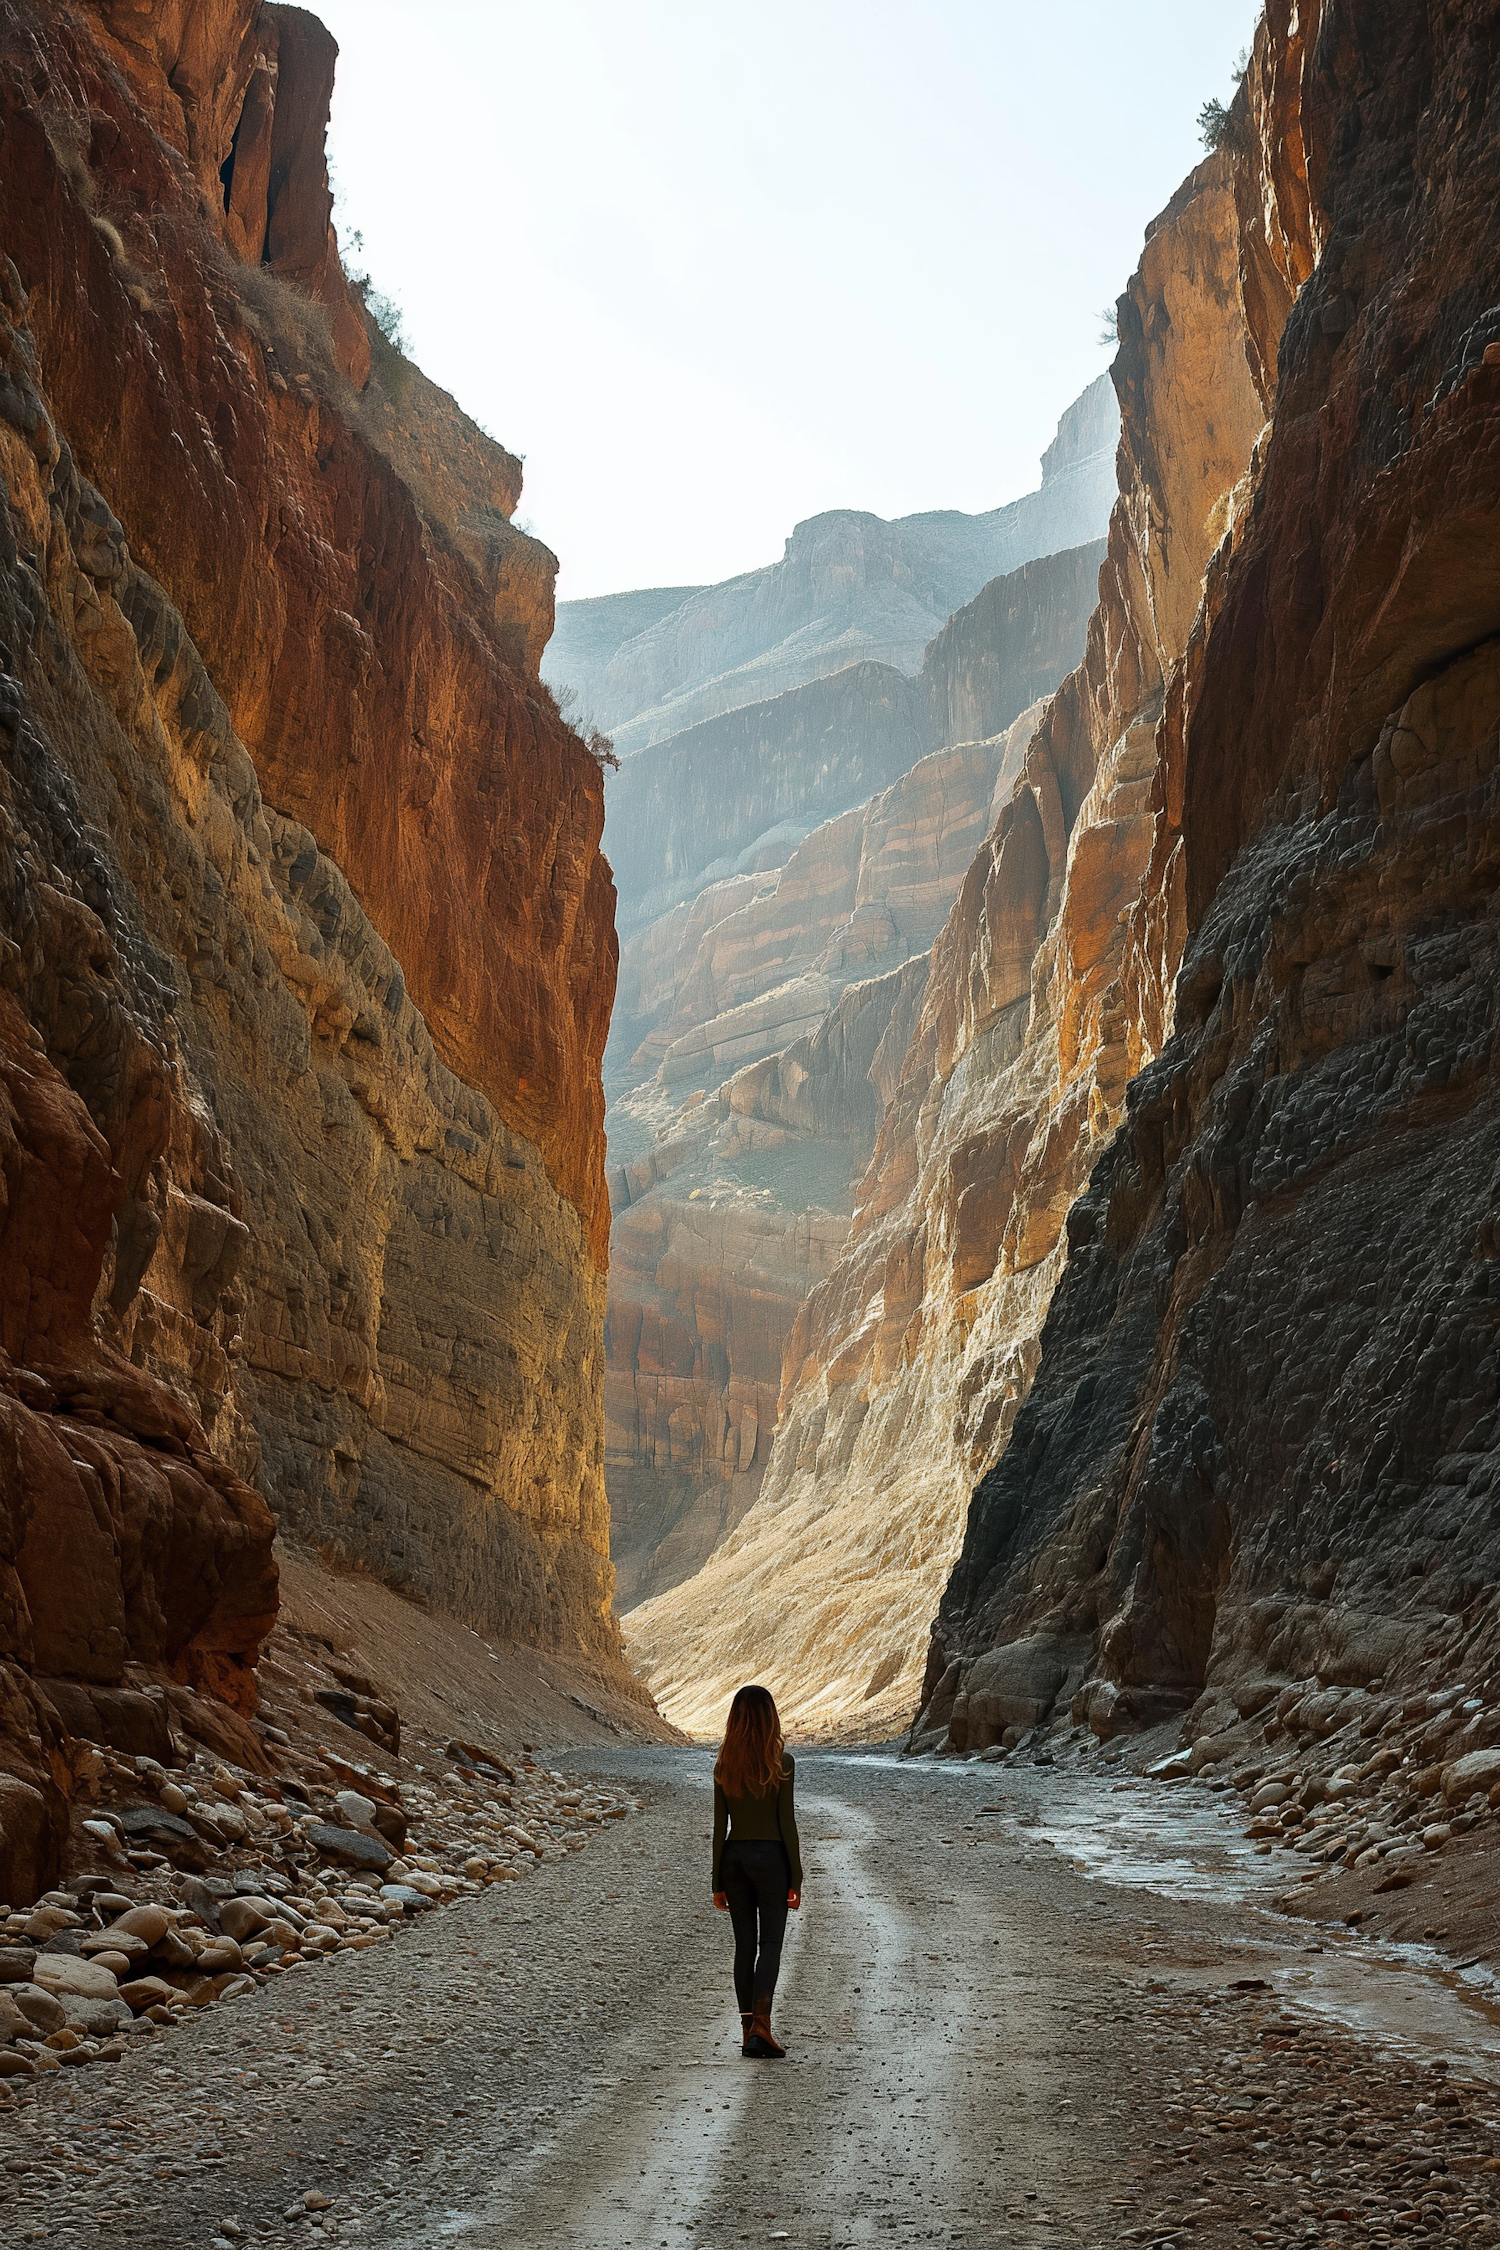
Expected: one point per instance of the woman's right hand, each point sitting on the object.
(721, 1901)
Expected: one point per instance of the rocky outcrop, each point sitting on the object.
(368, 630)
(851, 588)
(302, 1176)
(735, 795)
(780, 1031)
(1010, 645)
(906, 1368)
(1259, 1458)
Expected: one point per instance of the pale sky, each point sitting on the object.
(714, 267)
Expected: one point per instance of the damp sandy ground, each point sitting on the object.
(1022, 2008)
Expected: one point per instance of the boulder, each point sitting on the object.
(16, 1963)
(406, 1896)
(149, 1924)
(220, 1958)
(153, 1824)
(1477, 1769)
(242, 1918)
(47, 1921)
(146, 1992)
(44, 2011)
(119, 1964)
(97, 2017)
(85, 1980)
(1013, 1686)
(347, 1845)
(1215, 1749)
(123, 1718)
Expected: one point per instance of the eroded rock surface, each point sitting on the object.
(784, 1024)
(736, 794)
(303, 1179)
(1260, 1448)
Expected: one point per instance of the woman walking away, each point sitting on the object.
(757, 1858)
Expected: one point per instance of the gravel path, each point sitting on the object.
(984, 2046)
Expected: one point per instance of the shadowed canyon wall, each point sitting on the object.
(906, 1366)
(306, 948)
(1259, 1457)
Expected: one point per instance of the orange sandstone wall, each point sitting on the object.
(306, 945)
(373, 622)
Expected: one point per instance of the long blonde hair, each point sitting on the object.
(749, 1760)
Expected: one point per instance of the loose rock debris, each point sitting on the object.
(305, 1871)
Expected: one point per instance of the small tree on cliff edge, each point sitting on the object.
(598, 744)
(1213, 124)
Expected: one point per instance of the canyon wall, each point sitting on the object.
(736, 794)
(306, 949)
(850, 588)
(1259, 1456)
(733, 795)
(859, 895)
(775, 1054)
(907, 1365)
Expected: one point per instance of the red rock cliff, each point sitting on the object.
(300, 1158)
(369, 615)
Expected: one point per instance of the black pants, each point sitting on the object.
(756, 1878)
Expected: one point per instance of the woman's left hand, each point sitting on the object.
(794, 1900)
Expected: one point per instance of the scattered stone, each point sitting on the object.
(42, 2010)
(348, 1845)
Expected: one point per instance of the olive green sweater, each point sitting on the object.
(759, 1820)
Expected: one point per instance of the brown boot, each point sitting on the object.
(762, 2040)
(745, 2023)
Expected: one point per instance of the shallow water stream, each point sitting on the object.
(1186, 1844)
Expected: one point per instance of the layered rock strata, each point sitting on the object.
(783, 1027)
(906, 1367)
(736, 794)
(303, 1174)
(721, 1229)
(851, 588)
(862, 893)
(1259, 1458)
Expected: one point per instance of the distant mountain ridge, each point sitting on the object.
(850, 588)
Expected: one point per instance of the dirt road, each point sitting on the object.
(986, 2046)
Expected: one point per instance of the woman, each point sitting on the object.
(757, 1858)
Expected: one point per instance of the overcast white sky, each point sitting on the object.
(714, 265)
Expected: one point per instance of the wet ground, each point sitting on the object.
(1022, 2006)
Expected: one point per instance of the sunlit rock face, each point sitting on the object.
(721, 1229)
(903, 1374)
(306, 950)
(851, 588)
(1261, 1443)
